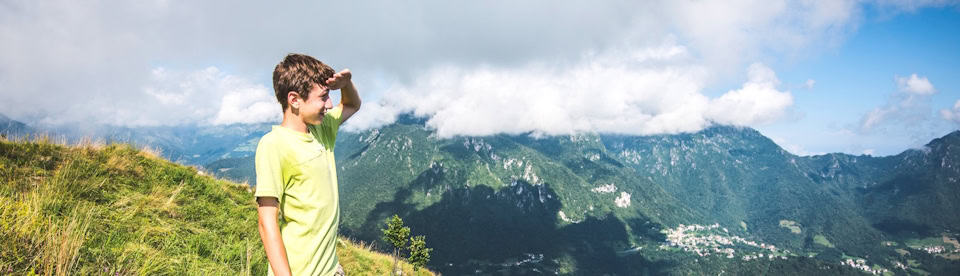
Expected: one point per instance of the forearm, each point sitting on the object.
(273, 243)
(349, 96)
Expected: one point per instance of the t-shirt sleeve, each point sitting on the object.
(268, 161)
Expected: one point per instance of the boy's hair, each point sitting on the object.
(298, 72)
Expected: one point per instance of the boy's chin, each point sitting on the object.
(316, 121)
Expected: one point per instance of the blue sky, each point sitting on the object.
(860, 76)
(853, 76)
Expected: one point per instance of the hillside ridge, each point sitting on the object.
(115, 209)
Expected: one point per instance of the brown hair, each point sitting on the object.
(298, 72)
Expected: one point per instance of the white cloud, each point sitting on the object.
(96, 62)
(247, 104)
(604, 93)
(729, 32)
(757, 102)
(909, 108)
(809, 84)
(374, 114)
(204, 97)
(214, 97)
(876, 116)
(952, 115)
(915, 85)
(608, 92)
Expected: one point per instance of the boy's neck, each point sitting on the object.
(294, 122)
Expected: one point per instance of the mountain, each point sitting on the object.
(221, 147)
(616, 204)
(185, 144)
(115, 210)
(706, 202)
(13, 128)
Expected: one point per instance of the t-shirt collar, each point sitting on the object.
(306, 137)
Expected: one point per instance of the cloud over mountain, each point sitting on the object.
(609, 95)
(477, 67)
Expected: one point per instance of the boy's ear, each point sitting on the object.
(293, 99)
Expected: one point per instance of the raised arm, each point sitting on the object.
(349, 99)
(270, 234)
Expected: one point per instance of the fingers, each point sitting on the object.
(337, 78)
(333, 80)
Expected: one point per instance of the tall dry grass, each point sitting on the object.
(95, 209)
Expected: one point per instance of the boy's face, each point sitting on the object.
(315, 106)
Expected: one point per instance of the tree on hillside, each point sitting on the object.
(396, 234)
(419, 252)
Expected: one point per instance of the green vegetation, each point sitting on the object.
(821, 240)
(514, 204)
(396, 235)
(419, 252)
(515, 197)
(114, 209)
(792, 225)
(926, 242)
(359, 258)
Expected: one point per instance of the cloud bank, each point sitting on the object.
(636, 96)
(475, 68)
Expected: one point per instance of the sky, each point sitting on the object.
(858, 77)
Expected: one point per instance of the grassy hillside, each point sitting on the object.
(117, 210)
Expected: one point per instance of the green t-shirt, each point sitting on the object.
(299, 170)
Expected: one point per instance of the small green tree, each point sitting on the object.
(419, 252)
(396, 234)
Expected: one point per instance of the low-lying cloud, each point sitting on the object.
(651, 91)
(204, 97)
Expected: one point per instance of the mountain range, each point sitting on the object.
(578, 202)
(721, 200)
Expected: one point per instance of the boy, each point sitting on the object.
(299, 208)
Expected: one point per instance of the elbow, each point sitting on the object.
(260, 227)
(355, 105)
(264, 226)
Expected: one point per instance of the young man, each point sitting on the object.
(299, 205)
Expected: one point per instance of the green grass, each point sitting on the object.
(822, 240)
(358, 258)
(925, 242)
(94, 209)
(792, 225)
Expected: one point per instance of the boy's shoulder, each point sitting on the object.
(272, 140)
(270, 137)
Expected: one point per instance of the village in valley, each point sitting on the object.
(718, 242)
